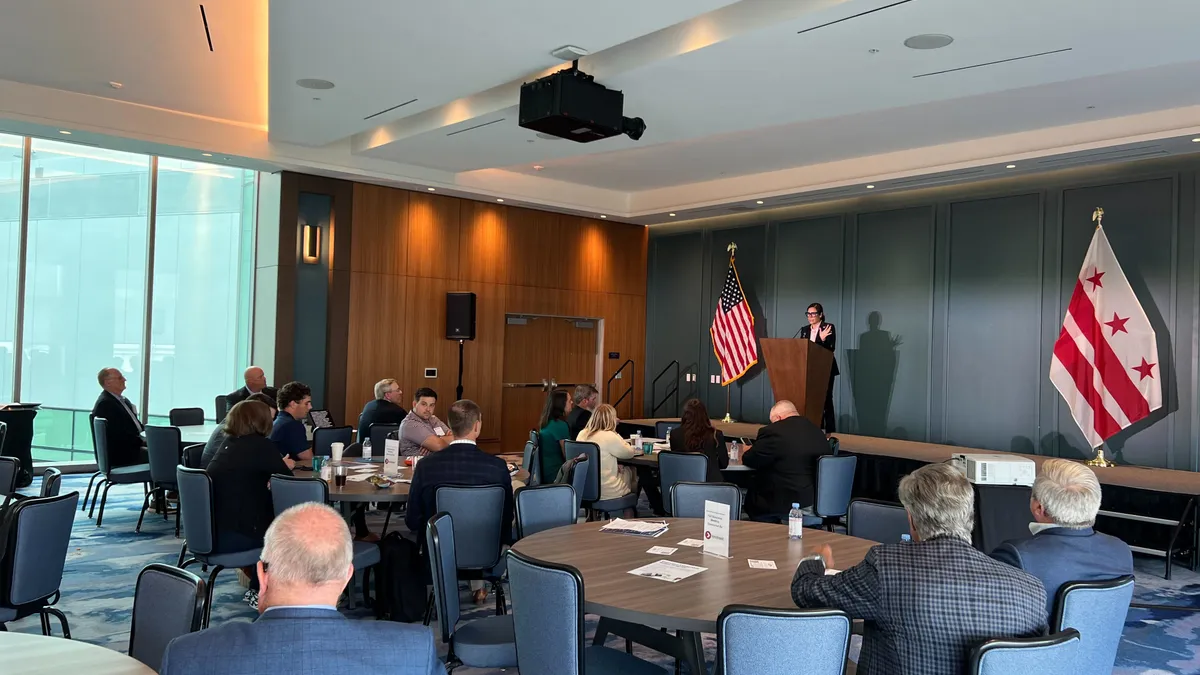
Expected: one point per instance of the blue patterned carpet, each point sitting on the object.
(102, 567)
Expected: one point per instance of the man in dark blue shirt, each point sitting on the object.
(385, 409)
(295, 400)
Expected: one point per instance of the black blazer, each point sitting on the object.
(829, 343)
(125, 440)
(235, 397)
(713, 447)
(577, 420)
(785, 461)
(241, 472)
(379, 411)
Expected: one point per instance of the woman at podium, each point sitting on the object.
(825, 335)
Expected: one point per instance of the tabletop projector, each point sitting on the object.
(997, 469)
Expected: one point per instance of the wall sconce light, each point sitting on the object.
(311, 253)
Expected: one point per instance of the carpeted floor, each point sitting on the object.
(102, 567)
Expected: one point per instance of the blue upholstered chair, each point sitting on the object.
(662, 429)
(544, 507)
(378, 434)
(323, 440)
(483, 643)
(835, 481)
(9, 468)
(591, 488)
(531, 462)
(119, 475)
(884, 522)
(579, 482)
(222, 408)
(186, 417)
(548, 624)
(167, 602)
(1055, 654)
(98, 474)
(477, 512)
(1097, 610)
(51, 483)
(162, 444)
(675, 467)
(687, 498)
(753, 640)
(33, 556)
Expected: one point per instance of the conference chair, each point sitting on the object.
(1097, 610)
(579, 483)
(591, 489)
(544, 507)
(754, 640)
(535, 437)
(51, 483)
(288, 491)
(674, 467)
(186, 417)
(9, 468)
(33, 554)
(324, 438)
(378, 434)
(162, 444)
(688, 497)
(222, 408)
(477, 512)
(532, 463)
(835, 481)
(1054, 654)
(355, 450)
(663, 429)
(167, 602)
(548, 624)
(200, 535)
(193, 455)
(872, 519)
(113, 475)
(483, 643)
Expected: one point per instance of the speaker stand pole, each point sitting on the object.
(458, 391)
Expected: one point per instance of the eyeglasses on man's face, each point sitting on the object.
(813, 313)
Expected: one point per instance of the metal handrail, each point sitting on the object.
(674, 389)
(628, 390)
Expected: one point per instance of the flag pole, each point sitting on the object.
(728, 419)
(1099, 460)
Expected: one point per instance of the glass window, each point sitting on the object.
(11, 152)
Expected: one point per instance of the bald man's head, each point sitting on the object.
(783, 410)
(256, 379)
(308, 546)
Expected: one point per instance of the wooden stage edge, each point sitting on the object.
(1143, 478)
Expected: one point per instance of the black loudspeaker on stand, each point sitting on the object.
(460, 325)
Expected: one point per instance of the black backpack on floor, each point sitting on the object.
(401, 581)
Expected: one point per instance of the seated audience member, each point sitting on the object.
(696, 433)
(256, 383)
(126, 446)
(241, 475)
(1064, 547)
(553, 430)
(784, 458)
(218, 436)
(289, 434)
(927, 602)
(586, 398)
(421, 432)
(615, 480)
(307, 559)
(385, 409)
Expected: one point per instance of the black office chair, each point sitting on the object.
(167, 602)
(222, 408)
(186, 417)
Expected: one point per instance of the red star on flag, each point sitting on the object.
(1094, 280)
(1117, 324)
(1146, 369)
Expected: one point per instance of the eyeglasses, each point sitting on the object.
(266, 565)
(813, 313)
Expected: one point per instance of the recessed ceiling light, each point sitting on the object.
(547, 137)
(870, 187)
(499, 200)
(928, 41)
(671, 214)
(758, 202)
(312, 83)
(115, 85)
(431, 189)
(603, 216)
(64, 132)
(1011, 166)
(206, 154)
(538, 167)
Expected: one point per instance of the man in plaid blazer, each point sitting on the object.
(928, 602)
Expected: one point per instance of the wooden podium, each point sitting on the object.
(799, 372)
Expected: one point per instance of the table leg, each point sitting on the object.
(693, 652)
(685, 646)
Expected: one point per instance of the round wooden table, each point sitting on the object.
(360, 491)
(41, 655)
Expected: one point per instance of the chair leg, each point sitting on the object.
(88, 494)
(182, 553)
(501, 605)
(92, 510)
(145, 505)
(176, 521)
(429, 609)
(103, 501)
(386, 520)
(62, 619)
(45, 618)
(212, 583)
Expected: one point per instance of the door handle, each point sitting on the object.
(553, 384)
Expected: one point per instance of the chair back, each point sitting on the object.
(162, 444)
(752, 640)
(167, 602)
(662, 429)
(544, 507)
(477, 512)
(1054, 654)
(193, 455)
(674, 467)
(355, 450)
(1097, 610)
(688, 497)
(835, 480)
(9, 468)
(324, 438)
(222, 408)
(378, 434)
(579, 482)
(3, 435)
(36, 550)
(547, 602)
(51, 482)
(532, 463)
(591, 484)
(288, 491)
(196, 509)
(884, 522)
(100, 444)
(440, 542)
(186, 417)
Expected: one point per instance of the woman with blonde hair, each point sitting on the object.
(615, 480)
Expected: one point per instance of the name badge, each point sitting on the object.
(439, 431)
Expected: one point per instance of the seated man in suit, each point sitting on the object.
(927, 602)
(385, 409)
(126, 446)
(1064, 547)
(288, 432)
(256, 382)
(586, 397)
(307, 558)
(784, 458)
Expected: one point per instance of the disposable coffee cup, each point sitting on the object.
(335, 451)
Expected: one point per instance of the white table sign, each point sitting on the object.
(391, 457)
(716, 529)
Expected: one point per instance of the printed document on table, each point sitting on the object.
(761, 564)
(694, 543)
(645, 528)
(667, 570)
(662, 550)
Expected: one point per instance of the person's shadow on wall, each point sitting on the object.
(873, 375)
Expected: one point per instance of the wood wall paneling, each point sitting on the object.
(535, 249)
(433, 236)
(376, 339)
(483, 358)
(484, 243)
(380, 225)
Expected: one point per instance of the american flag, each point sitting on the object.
(732, 330)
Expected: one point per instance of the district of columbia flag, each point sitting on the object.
(1105, 361)
(732, 330)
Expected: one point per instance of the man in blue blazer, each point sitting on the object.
(1064, 547)
(306, 561)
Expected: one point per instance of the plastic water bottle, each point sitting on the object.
(795, 523)
(367, 450)
(734, 449)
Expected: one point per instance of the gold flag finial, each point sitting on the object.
(1099, 460)
(732, 248)
(1098, 216)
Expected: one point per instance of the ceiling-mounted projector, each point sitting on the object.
(571, 104)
